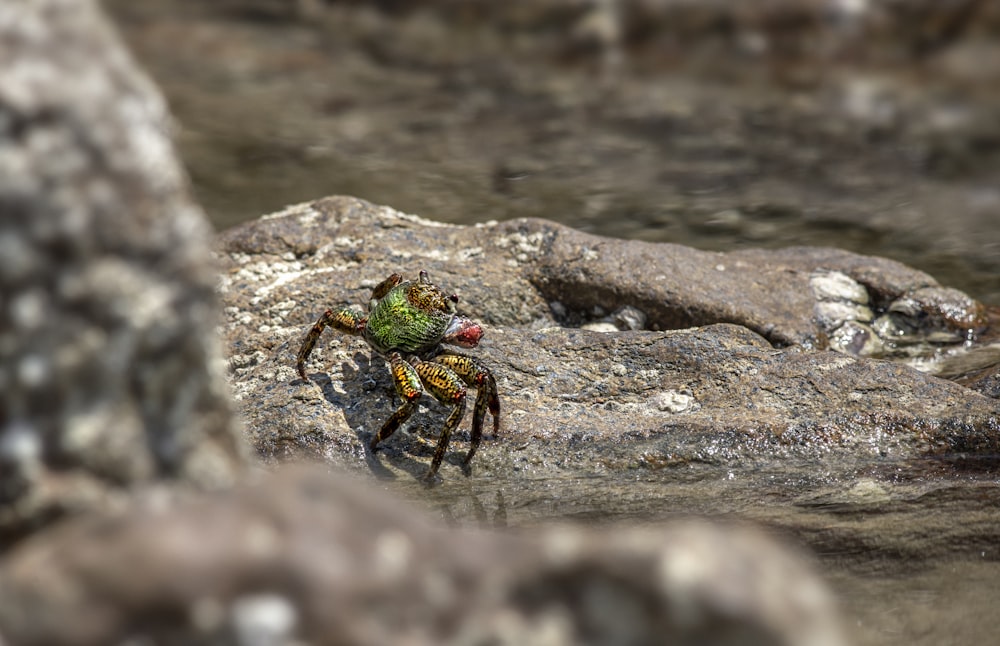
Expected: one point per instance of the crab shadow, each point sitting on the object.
(368, 398)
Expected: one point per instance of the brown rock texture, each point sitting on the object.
(747, 385)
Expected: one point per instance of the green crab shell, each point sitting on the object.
(396, 323)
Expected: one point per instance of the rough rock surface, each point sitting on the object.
(109, 363)
(727, 392)
(304, 558)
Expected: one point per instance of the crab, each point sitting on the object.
(409, 324)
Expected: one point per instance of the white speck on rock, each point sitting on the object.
(524, 247)
(33, 371)
(600, 326)
(836, 364)
(391, 555)
(390, 213)
(29, 309)
(835, 285)
(263, 620)
(304, 210)
(20, 444)
(868, 490)
(673, 401)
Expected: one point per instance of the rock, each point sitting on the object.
(979, 369)
(585, 276)
(916, 323)
(109, 364)
(301, 557)
(742, 388)
(767, 291)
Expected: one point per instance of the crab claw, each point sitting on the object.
(463, 332)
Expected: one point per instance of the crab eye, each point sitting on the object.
(453, 298)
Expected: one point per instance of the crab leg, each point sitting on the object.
(383, 288)
(447, 388)
(409, 389)
(478, 376)
(345, 320)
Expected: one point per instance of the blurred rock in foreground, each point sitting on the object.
(303, 558)
(109, 363)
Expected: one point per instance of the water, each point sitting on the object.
(914, 560)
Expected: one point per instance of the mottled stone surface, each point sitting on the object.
(304, 558)
(109, 366)
(748, 385)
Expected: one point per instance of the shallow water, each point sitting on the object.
(914, 559)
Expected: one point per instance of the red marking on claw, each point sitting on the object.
(470, 336)
(464, 332)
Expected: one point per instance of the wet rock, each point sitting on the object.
(839, 299)
(737, 385)
(857, 338)
(979, 369)
(935, 313)
(306, 558)
(918, 323)
(583, 277)
(109, 364)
